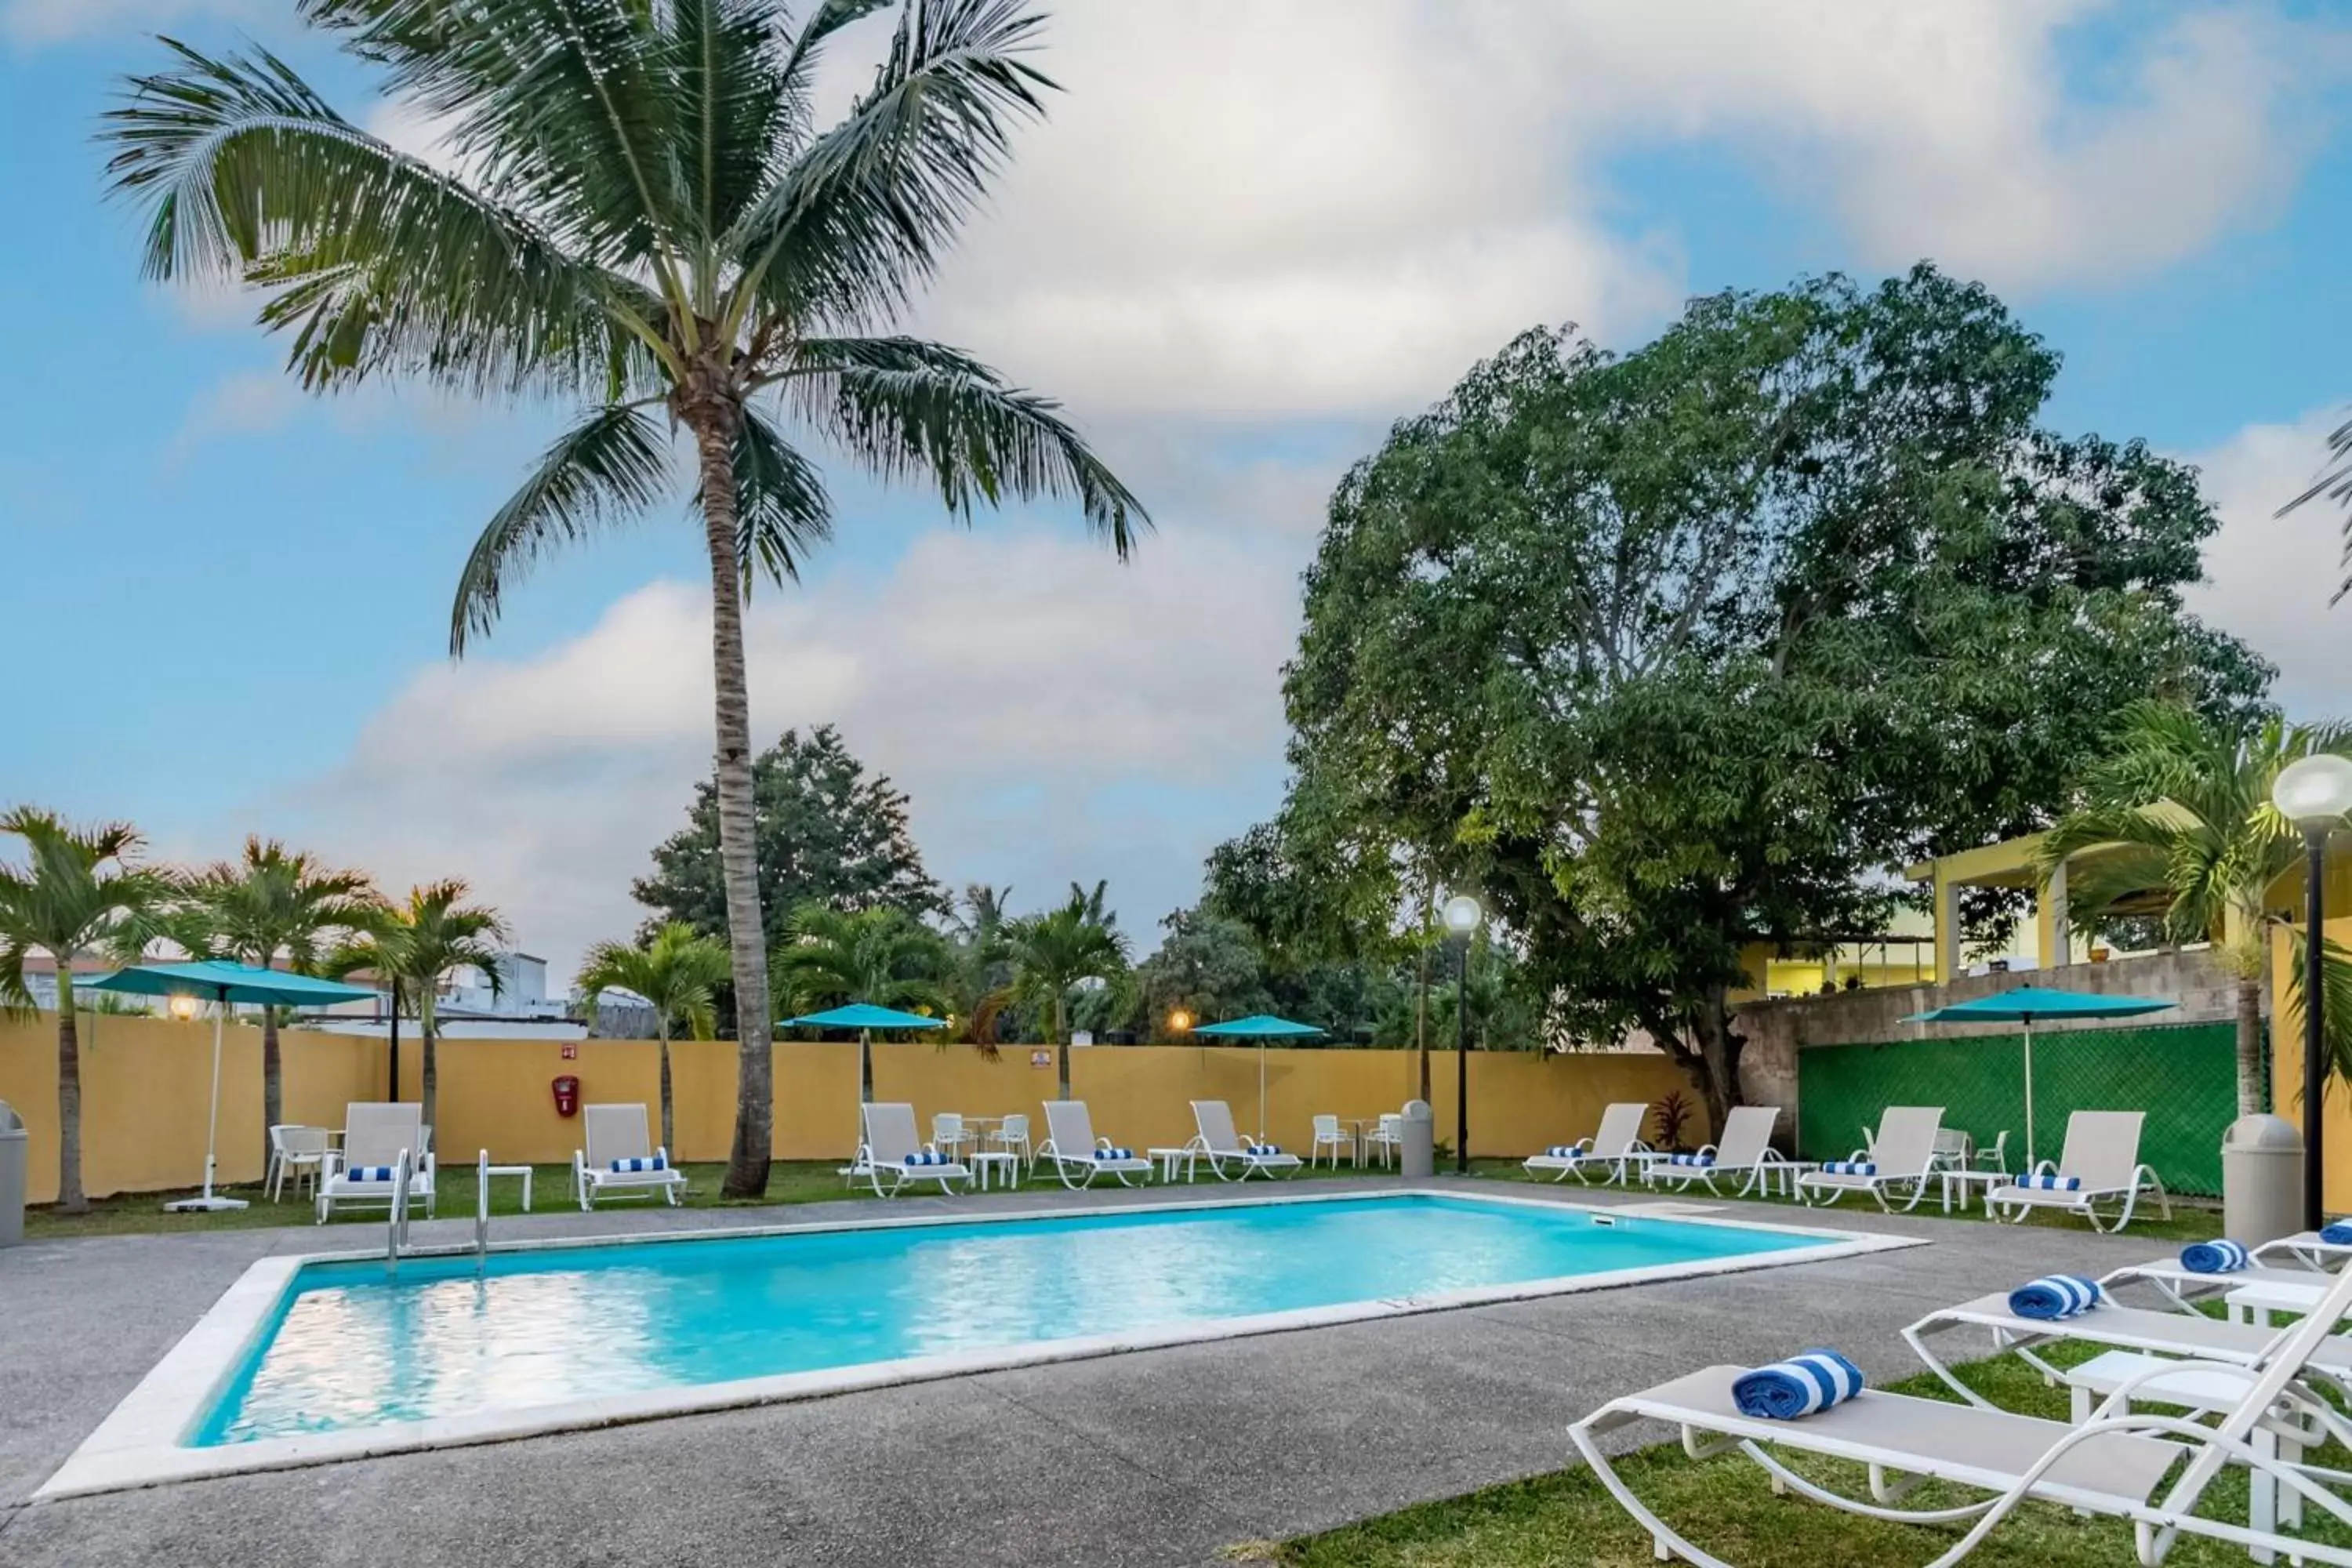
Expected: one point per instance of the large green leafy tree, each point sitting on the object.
(2178, 806)
(883, 956)
(75, 892)
(1206, 966)
(1668, 652)
(824, 831)
(419, 943)
(649, 223)
(272, 904)
(679, 972)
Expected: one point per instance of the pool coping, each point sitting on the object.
(139, 1444)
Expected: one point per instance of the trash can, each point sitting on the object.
(1416, 1157)
(12, 1176)
(2262, 1179)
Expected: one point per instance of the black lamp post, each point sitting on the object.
(2314, 792)
(1462, 917)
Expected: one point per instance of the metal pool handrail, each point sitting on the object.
(482, 1212)
(396, 1239)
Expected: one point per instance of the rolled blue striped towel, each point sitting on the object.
(2222, 1256)
(1258, 1151)
(1850, 1168)
(1113, 1153)
(2336, 1234)
(1564, 1152)
(2053, 1297)
(371, 1173)
(2050, 1182)
(928, 1157)
(641, 1163)
(1806, 1382)
(1698, 1161)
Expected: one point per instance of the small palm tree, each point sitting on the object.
(883, 955)
(78, 892)
(1053, 952)
(651, 223)
(269, 905)
(677, 972)
(2181, 805)
(418, 944)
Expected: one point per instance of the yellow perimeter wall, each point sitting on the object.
(145, 1083)
(2286, 1064)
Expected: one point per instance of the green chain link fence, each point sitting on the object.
(2184, 1076)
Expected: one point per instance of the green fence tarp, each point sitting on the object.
(2184, 1076)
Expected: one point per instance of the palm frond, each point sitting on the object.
(728, 66)
(781, 508)
(246, 173)
(609, 466)
(2334, 482)
(861, 217)
(918, 411)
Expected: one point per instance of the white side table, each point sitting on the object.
(2255, 1303)
(2197, 1389)
(1960, 1178)
(521, 1171)
(1188, 1156)
(1005, 1167)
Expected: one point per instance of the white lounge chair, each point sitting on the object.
(1745, 1151)
(364, 1173)
(621, 1159)
(2112, 1463)
(1072, 1147)
(2099, 1164)
(1614, 1147)
(2186, 1287)
(1218, 1144)
(892, 1154)
(1902, 1154)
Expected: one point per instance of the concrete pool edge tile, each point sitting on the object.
(139, 1444)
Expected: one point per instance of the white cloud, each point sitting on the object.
(1241, 208)
(2269, 578)
(1054, 716)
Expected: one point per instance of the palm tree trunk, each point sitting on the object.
(1061, 1046)
(428, 1089)
(2250, 1047)
(713, 417)
(69, 1195)
(273, 1094)
(669, 1133)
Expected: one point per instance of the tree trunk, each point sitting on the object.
(670, 1131)
(1716, 1070)
(2251, 1095)
(713, 417)
(69, 1195)
(429, 1086)
(273, 1096)
(1421, 1027)
(1061, 1046)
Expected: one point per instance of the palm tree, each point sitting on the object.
(1051, 952)
(649, 223)
(78, 892)
(2181, 805)
(419, 944)
(271, 904)
(882, 955)
(2334, 482)
(679, 971)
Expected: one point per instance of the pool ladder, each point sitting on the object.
(395, 1240)
(481, 1213)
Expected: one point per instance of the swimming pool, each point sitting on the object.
(319, 1358)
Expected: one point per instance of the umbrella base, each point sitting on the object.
(205, 1205)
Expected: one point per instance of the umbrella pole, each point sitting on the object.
(211, 1126)
(1261, 1090)
(2029, 1093)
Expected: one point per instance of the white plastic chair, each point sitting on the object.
(1997, 1157)
(1011, 1136)
(948, 1135)
(1329, 1134)
(296, 1150)
(1387, 1137)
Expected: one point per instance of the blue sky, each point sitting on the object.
(1252, 234)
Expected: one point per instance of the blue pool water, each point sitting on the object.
(348, 1346)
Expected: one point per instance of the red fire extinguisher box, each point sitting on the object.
(567, 1095)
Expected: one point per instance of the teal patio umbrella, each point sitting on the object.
(864, 1017)
(1261, 1028)
(221, 983)
(2024, 1004)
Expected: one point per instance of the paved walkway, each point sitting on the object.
(1158, 1457)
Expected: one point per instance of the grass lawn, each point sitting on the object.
(1725, 1505)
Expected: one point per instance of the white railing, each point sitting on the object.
(481, 1213)
(396, 1239)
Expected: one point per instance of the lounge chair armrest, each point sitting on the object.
(1708, 1149)
(2043, 1168)
(1103, 1142)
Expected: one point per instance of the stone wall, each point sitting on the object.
(1777, 1030)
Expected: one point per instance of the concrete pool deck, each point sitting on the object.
(1158, 1456)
